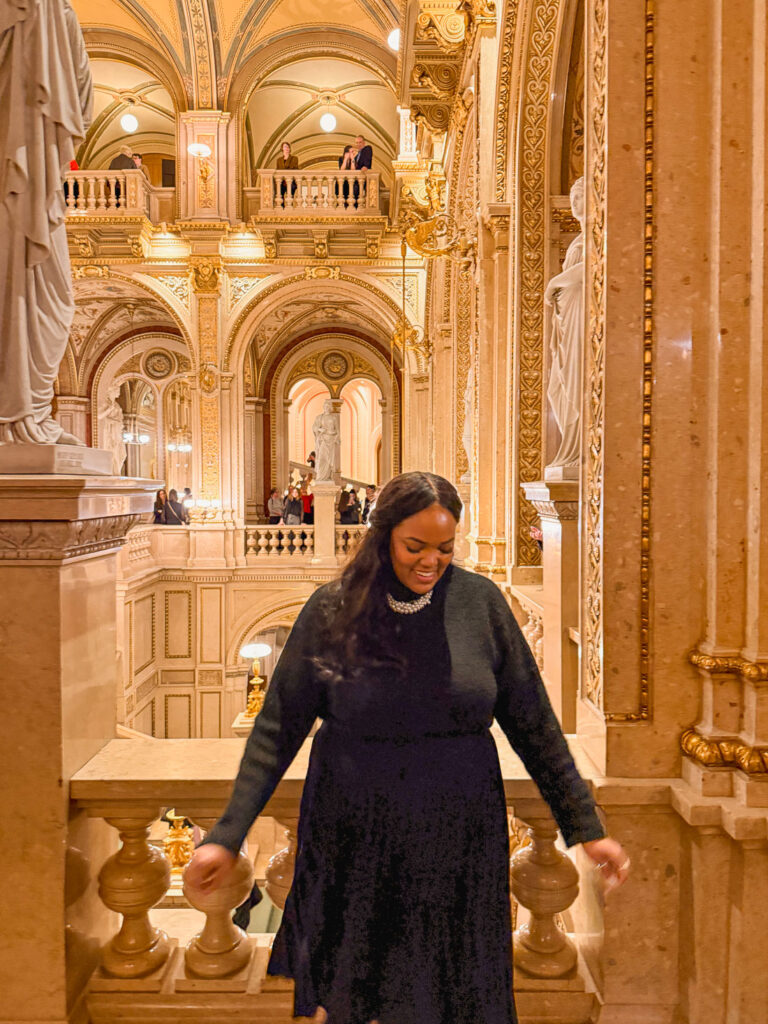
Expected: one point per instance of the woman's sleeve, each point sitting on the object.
(525, 714)
(293, 702)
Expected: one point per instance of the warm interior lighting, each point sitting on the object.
(393, 39)
(253, 651)
(199, 149)
(327, 122)
(129, 123)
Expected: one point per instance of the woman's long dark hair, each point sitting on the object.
(159, 503)
(360, 591)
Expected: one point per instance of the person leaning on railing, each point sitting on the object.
(274, 507)
(287, 162)
(399, 908)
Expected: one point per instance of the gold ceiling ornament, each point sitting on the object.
(728, 752)
(90, 270)
(205, 275)
(312, 273)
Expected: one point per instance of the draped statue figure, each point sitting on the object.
(45, 82)
(327, 443)
(111, 429)
(565, 296)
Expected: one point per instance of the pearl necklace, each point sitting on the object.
(409, 607)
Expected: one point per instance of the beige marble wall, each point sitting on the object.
(57, 662)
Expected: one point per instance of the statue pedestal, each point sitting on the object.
(325, 493)
(58, 459)
(558, 506)
(557, 474)
(59, 541)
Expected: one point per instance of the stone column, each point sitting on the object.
(387, 441)
(59, 539)
(558, 506)
(416, 443)
(205, 191)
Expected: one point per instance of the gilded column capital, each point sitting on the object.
(205, 275)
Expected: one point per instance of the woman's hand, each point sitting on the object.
(611, 860)
(208, 869)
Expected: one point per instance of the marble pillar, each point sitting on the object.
(558, 507)
(59, 538)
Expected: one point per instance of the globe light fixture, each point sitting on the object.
(393, 39)
(129, 123)
(253, 652)
(199, 149)
(328, 122)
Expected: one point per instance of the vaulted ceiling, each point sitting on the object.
(277, 64)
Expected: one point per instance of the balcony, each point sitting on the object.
(191, 964)
(117, 193)
(313, 194)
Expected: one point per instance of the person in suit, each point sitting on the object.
(362, 161)
(123, 161)
(287, 162)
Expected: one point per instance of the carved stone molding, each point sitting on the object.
(434, 115)
(443, 23)
(756, 671)
(205, 276)
(557, 510)
(439, 77)
(724, 753)
(30, 540)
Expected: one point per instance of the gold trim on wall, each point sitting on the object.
(643, 712)
(726, 752)
(503, 97)
(188, 596)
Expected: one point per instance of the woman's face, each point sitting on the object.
(421, 547)
(163, 496)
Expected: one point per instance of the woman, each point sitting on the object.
(353, 508)
(293, 510)
(161, 500)
(342, 506)
(274, 507)
(399, 909)
(175, 513)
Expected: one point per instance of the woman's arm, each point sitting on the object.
(525, 714)
(293, 702)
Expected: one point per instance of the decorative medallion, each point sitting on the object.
(158, 365)
(335, 365)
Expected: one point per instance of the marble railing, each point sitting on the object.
(281, 543)
(317, 193)
(348, 537)
(530, 600)
(223, 970)
(114, 193)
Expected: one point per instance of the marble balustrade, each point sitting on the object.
(145, 976)
(332, 193)
(110, 193)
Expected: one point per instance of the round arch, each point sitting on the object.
(115, 45)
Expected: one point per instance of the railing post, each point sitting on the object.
(221, 949)
(546, 883)
(282, 865)
(131, 882)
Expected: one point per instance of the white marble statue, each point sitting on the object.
(326, 429)
(111, 429)
(565, 296)
(45, 82)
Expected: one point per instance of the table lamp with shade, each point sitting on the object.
(254, 652)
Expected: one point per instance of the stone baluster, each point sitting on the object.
(112, 181)
(264, 542)
(250, 541)
(221, 948)
(546, 883)
(101, 203)
(70, 190)
(131, 882)
(282, 865)
(90, 185)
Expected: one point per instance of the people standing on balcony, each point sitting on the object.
(311, 460)
(274, 507)
(287, 162)
(308, 502)
(370, 498)
(353, 508)
(161, 500)
(293, 510)
(123, 161)
(175, 513)
(399, 909)
(138, 163)
(363, 161)
(342, 505)
(346, 163)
